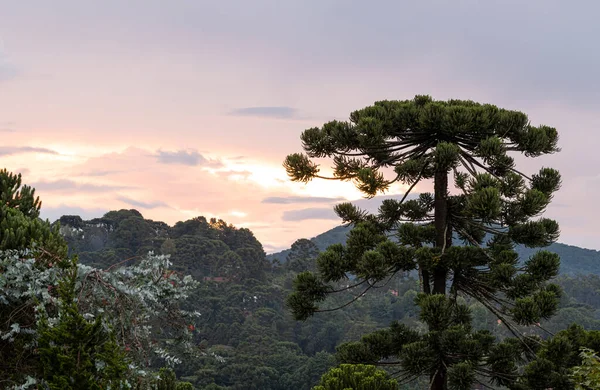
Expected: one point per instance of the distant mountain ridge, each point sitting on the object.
(574, 260)
(200, 245)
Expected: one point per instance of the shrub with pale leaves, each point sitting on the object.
(141, 303)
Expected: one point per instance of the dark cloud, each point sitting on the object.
(101, 172)
(12, 150)
(140, 204)
(54, 213)
(310, 213)
(300, 199)
(281, 112)
(185, 157)
(64, 184)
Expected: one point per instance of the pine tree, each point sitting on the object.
(20, 225)
(492, 207)
(76, 353)
(22, 229)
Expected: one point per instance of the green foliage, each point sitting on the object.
(574, 260)
(200, 248)
(242, 312)
(494, 208)
(167, 380)
(558, 359)
(21, 229)
(58, 313)
(303, 256)
(74, 352)
(587, 375)
(20, 225)
(256, 344)
(356, 377)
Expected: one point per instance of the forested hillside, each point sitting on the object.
(250, 339)
(573, 260)
(201, 248)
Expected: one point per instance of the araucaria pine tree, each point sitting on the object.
(20, 224)
(490, 207)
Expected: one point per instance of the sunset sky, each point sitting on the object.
(183, 108)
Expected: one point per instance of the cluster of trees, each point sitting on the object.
(202, 248)
(69, 326)
(260, 346)
(433, 291)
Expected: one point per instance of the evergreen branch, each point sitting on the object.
(432, 378)
(347, 303)
(415, 153)
(389, 279)
(122, 262)
(479, 225)
(474, 161)
(489, 373)
(405, 378)
(483, 292)
(545, 330)
(474, 242)
(328, 178)
(482, 288)
(350, 154)
(455, 171)
(464, 157)
(445, 241)
(419, 176)
(397, 363)
(347, 288)
(512, 328)
(520, 173)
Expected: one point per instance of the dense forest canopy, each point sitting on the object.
(204, 248)
(247, 323)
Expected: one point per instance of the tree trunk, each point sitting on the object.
(438, 382)
(443, 240)
(425, 280)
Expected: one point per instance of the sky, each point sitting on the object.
(183, 108)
